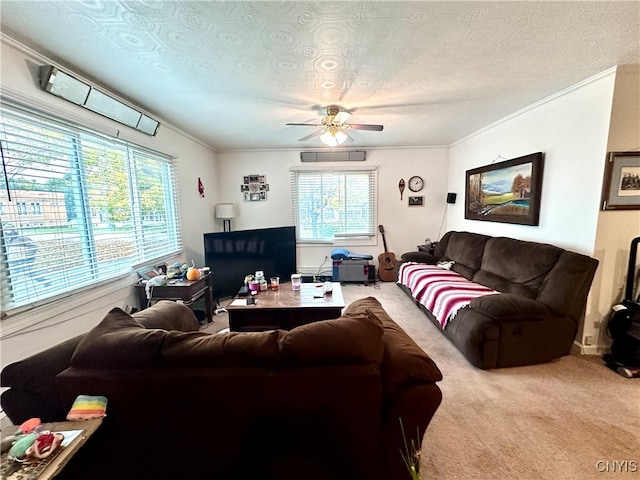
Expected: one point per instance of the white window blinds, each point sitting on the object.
(334, 203)
(77, 207)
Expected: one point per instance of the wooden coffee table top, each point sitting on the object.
(285, 298)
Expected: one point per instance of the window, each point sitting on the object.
(334, 203)
(79, 207)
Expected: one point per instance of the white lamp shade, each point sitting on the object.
(328, 139)
(225, 211)
(333, 137)
(340, 137)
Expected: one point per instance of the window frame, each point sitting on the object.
(147, 255)
(366, 239)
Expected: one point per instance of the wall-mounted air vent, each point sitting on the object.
(353, 156)
(63, 85)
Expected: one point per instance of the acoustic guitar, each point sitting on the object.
(387, 262)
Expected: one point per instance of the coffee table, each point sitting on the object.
(285, 308)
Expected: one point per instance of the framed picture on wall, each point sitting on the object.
(254, 188)
(416, 201)
(621, 185)
(507, 192)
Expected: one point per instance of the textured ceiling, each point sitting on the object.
(233, 73)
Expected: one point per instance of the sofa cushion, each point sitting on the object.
(501, 284)
(465, 249)
(200, 349)
(348, 339)
(168, 315)
(118, 341)
(516, 266)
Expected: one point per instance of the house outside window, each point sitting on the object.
(332, 203)
(77, 208)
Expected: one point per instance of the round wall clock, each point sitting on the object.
(416, 183)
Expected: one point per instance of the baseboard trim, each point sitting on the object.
(579, 349)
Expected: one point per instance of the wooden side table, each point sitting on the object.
(186, 291)
(49, 468)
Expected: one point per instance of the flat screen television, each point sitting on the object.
(234, 255)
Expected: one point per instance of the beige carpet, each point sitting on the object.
(569, 419)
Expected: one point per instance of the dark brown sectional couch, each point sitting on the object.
(322, 401)
(534, 319)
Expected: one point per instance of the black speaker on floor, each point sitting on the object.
(451, 197)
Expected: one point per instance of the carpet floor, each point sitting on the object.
(572, 418)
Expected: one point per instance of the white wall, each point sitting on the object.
(24, 334)
(571, 128)
(405, 227)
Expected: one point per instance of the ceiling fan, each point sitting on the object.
(334, 126)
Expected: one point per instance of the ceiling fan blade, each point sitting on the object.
(362, 126)
(314, 134)
(341, 117)
(305, 124)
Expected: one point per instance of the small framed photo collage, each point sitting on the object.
(254, 188)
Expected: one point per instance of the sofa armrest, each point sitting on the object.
(508, 307)
(168, 315)
(32, 381)
(396, 439)
(404, 363)
(420, 257)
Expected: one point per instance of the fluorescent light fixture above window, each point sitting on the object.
(111, 108)
(65, 86)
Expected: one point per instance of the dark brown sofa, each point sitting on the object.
(534, 319)
(321, 401)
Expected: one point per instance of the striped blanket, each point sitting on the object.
(442, 291)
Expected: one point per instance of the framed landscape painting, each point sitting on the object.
(621, 186)
(507, 192)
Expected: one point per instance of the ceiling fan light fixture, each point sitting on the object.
(328, 139)
(340, 137)
(334, 127)
(333, 137)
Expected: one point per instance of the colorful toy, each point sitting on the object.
(30, 425)
(20, 447)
